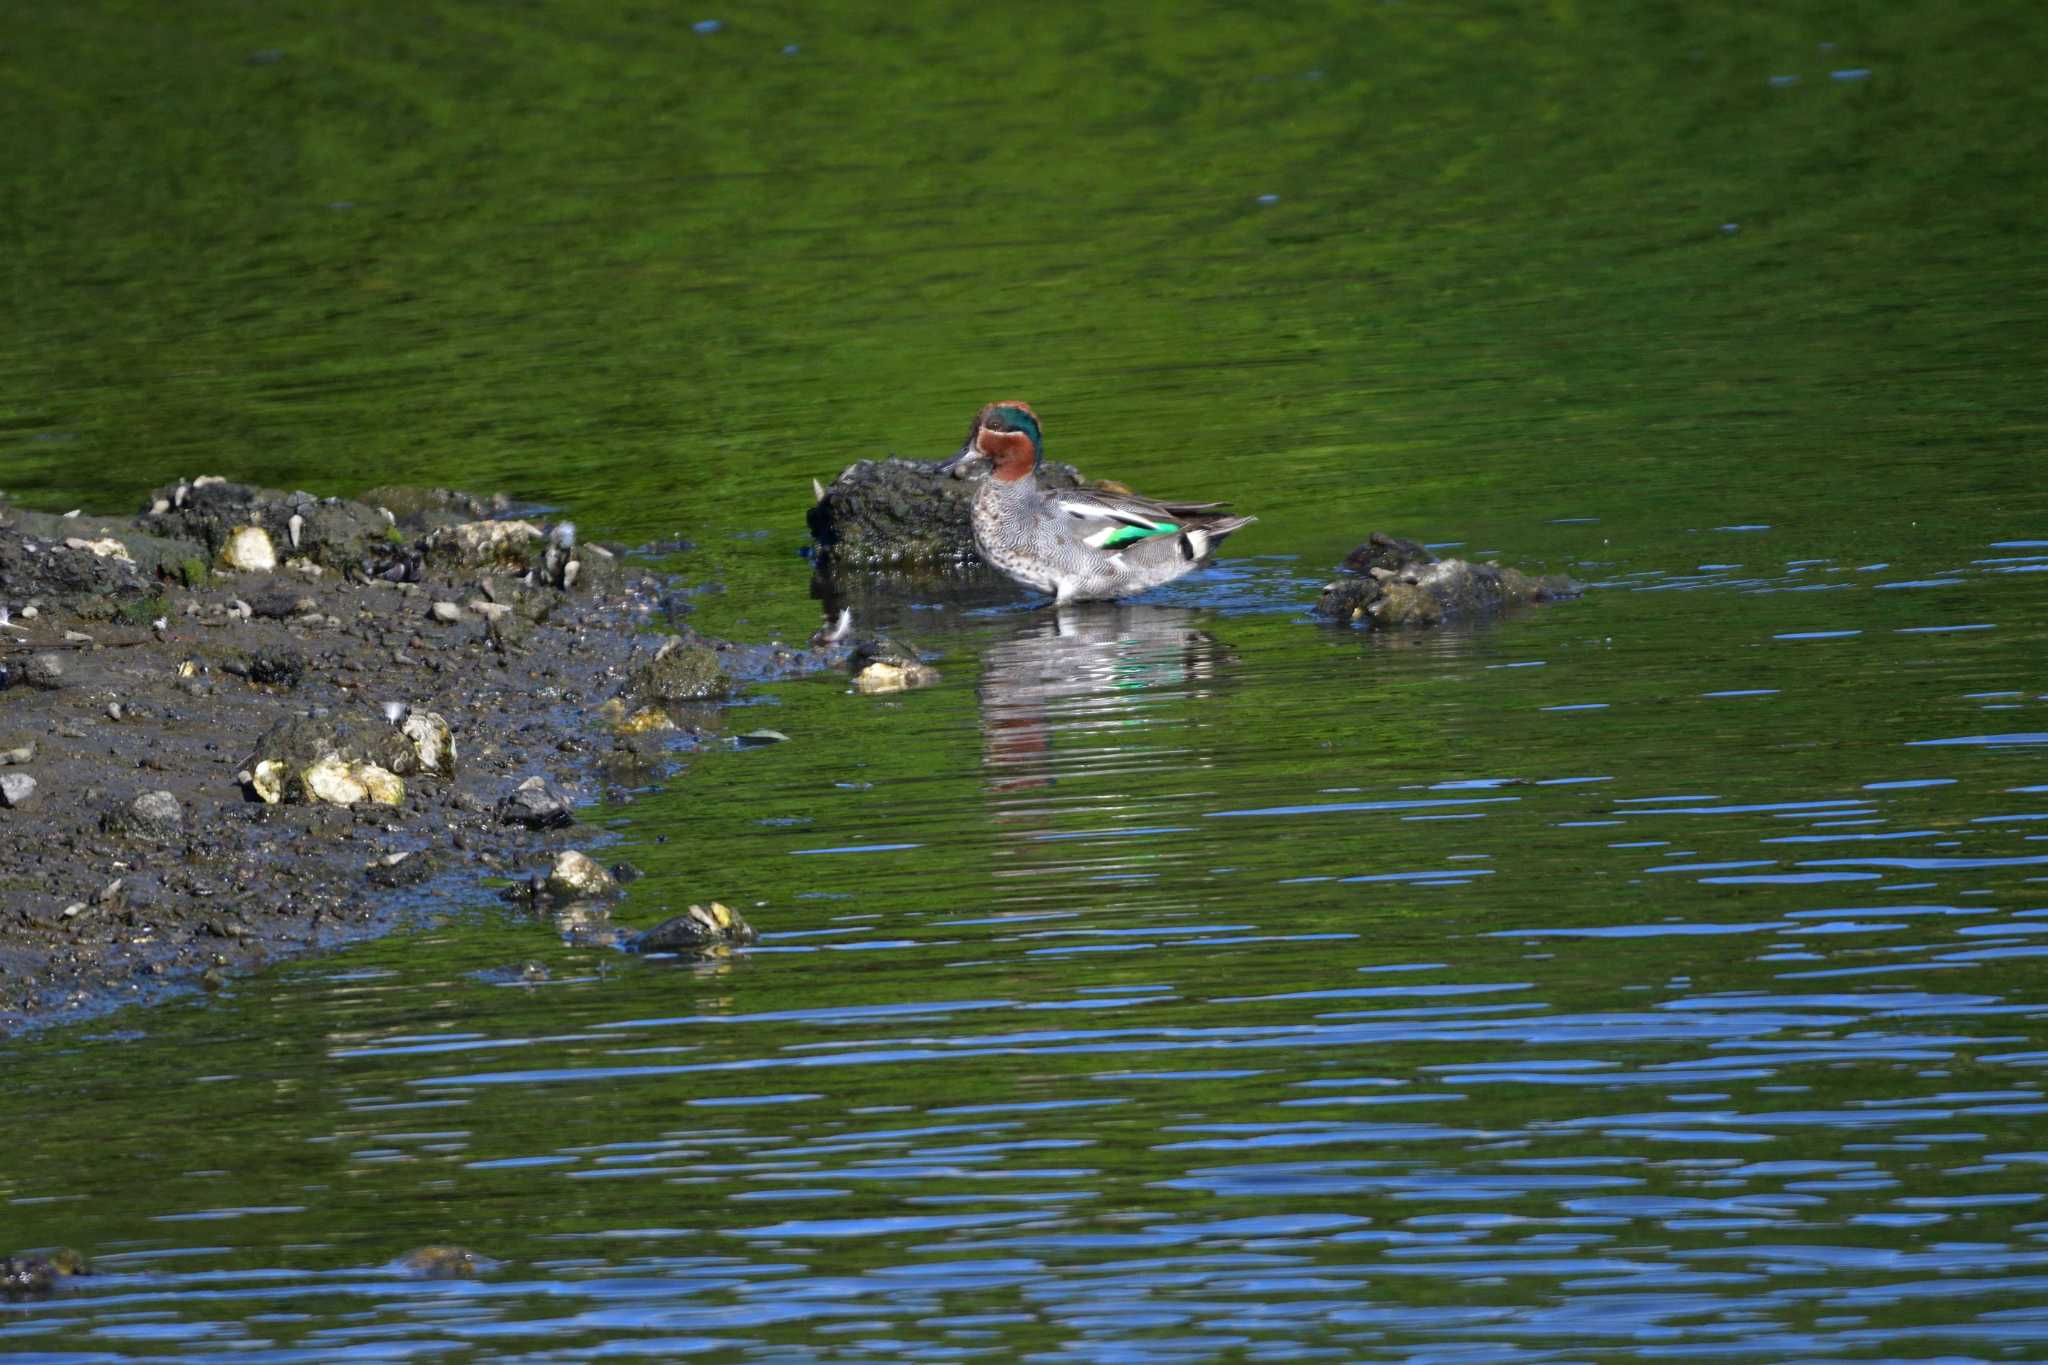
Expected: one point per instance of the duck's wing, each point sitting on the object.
(1109, 521)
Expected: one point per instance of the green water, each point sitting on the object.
(1684, 998)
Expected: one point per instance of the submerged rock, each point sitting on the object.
(1399, 583)
(444, 1263)
(24, 1277)
(681, 670)
(700, 929)
(882, 513)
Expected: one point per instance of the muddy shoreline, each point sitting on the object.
(168, 680)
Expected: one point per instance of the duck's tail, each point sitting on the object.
(1201, 540)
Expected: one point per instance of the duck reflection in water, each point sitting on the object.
(1108, 680)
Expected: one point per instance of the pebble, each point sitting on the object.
(447, 612)
(157, 810)
(577, 876)
(536, 805)
(16, 790)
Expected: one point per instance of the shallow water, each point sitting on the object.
(1653, 976)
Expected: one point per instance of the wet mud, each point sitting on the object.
(246, 724)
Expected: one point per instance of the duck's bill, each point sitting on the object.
(965, 455)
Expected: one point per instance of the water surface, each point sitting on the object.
(1654, 976)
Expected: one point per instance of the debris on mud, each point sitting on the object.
(206, 763)
(1393, 582)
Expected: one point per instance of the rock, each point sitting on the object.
(106, 547)
(16, 749)
(247, 549)
(212, 512)
(883, 676)
(880, 664)
(152, 815)
(756, 739)
(879, 513)
(490, 611)
(267, 780)
(443, 1263)
(1401, 584)
(45, 671)
(510, 545)
(647, 720)
(700, 929)
(536, 804)
(16, 790)
(33, 1276)
(577, 877)
(433, 743)
(341, 783)
(447, 613)
(407, 868)
(681, 670)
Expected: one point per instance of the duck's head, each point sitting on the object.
(1007, 436)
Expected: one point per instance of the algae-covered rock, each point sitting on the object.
(681, 670)
(881, 513)
(1399, 583)
(700, 929)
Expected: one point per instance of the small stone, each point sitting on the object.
(16, 790)
(152, 813)
(18, 750)
(490, 611)
(444, 1263)
(577, 876)
(248, 550)
(754, 739)
(535, 804)
(446, 612)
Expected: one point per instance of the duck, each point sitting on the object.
(1079, 544)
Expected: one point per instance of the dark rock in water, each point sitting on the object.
(700, 929)
(1399, 583)
(536, 804)
(681, 670)
(880, 513)
(24, 1277)
(444, 1263)
(152, 815)
(1382, 551)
